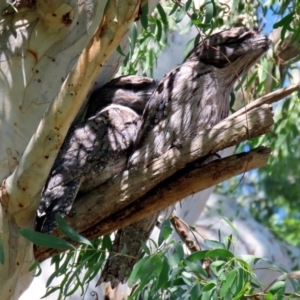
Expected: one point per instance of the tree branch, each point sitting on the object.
(267, 99)
(184, 184)
(101, 204)
(23, 187)
(41, 46)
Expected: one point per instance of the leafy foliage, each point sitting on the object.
(277, 203)
(169, 272)
(154, 36)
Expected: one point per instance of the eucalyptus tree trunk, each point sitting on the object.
(52, 53)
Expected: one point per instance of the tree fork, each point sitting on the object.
(20, 192)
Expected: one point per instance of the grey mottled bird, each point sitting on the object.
(195, 95)
(189, 99)
(97, 149)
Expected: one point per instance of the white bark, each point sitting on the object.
(39, 47)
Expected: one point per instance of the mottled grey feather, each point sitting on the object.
(195, 95)
(97, 149)
(117, 267)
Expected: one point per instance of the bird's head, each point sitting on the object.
(237, 48)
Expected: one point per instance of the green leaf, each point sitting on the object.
(164, 274)
(189, 46)
(195, 291)
(197, 256)
(2, 257)
(209, 11)
(174, 8)
(180, 15)
(214, 244)
(231, 225)
(196, 19)
(144, 16)
(158, 30)
(163, 15)
(186, 277)
(133, 36)
(285, 20)
(254, 260)
(204, 26)
(36, 269)
(229, 241)
(45, 240)
(55, 274)
(165, 231)
(138, 269)
(120, 51)
(70, 232)
(74, 274)
(195, 268)
(182, 12)
(76, 284)
(145, 248)
(197, 40)
(208, 291)
(243, 291)
(215, 267)
(106, 242)
(227, 284)
(219, 253)
(262, 71)
(178, 250)
(65, 262)
(91, 272)
(278, 288)
(51, 291)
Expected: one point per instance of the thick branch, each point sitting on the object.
(25, 184)
(182, 185)
(129, 186)
(40, 48)
(179, 186)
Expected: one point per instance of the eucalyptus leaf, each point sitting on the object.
(214, 244)
(219, 253)
(35, 269)
(165, 231)
(144, 16)
(45, 240)
(70, 232)
(163, 15)
(277, 289)
(133, 36)
(2, 257)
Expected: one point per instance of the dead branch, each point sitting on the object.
(183, 232)
(267, 99)
(191, 243)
